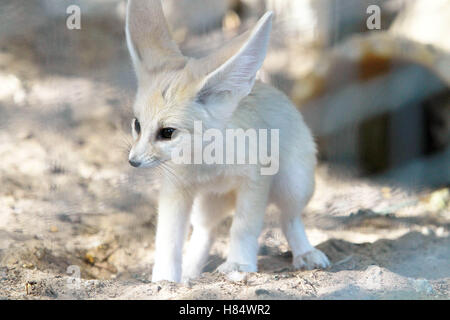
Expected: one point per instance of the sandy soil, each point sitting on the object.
(69, 202)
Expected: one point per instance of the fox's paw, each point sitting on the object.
(314, 259)
(229, 267)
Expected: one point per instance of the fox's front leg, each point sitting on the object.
(173, 221)
(247, 224)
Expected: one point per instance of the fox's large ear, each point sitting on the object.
(231, 71)
(148, 38)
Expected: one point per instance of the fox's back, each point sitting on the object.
(268, 108)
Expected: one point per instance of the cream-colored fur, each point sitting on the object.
(219, 90)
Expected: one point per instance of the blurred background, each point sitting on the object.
(371, 78)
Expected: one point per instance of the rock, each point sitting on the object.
(425, 22)
(422, 286)
(363, 58)
(11, 88)
(261, 292)
(236, 276)
(348, 101)
(439, 199)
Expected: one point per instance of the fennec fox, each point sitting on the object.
(219, 91)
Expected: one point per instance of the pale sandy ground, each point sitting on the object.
(402, 255)
(69, 200)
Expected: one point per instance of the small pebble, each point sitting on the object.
(236, 276)
(260, 292)
(422, 286)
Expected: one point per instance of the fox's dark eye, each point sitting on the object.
(166, 133)
(137, 126)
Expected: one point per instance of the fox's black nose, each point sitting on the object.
(135, 164)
